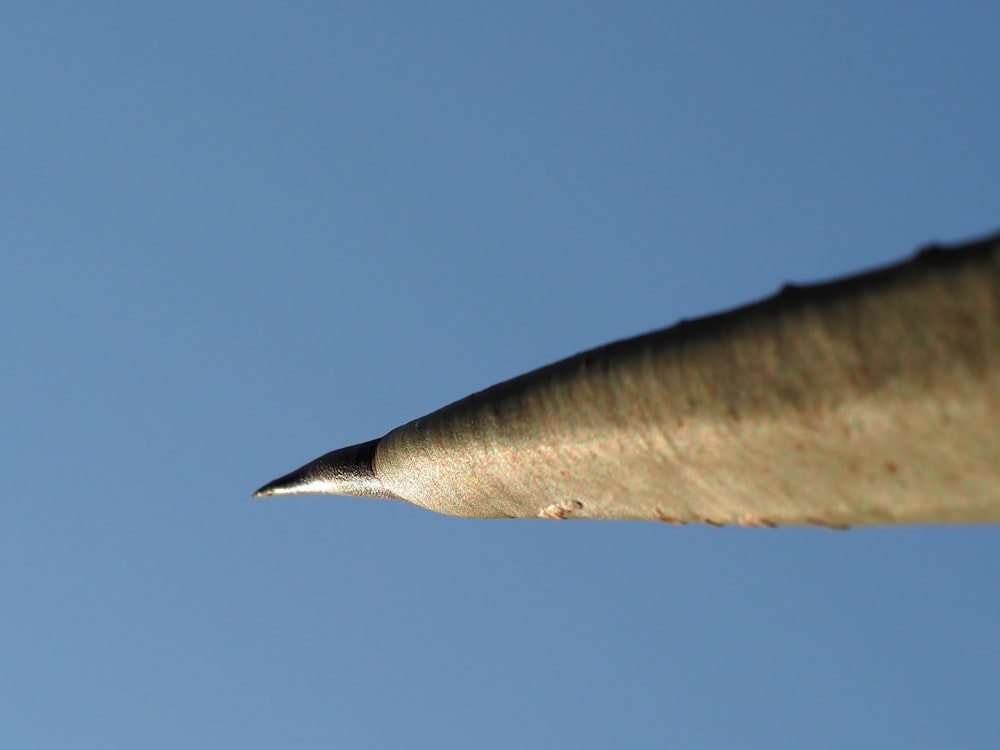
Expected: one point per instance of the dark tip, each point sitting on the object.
(347, 471)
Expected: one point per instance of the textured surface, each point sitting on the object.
(870, 400)
(239, 235)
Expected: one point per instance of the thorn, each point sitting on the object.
(347, 471)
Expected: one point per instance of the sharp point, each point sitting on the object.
(347, 471)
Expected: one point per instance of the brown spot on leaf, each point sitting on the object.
(666, 518)
(749, 520)
(560, 510)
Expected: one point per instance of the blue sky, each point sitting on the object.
(238, 235)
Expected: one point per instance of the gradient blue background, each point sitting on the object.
(237, 235)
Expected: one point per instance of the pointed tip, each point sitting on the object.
(267, 490)
(297, 482)
(347, 471)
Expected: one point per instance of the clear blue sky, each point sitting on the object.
(237, 235)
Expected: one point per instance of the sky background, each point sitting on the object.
(238, 235)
